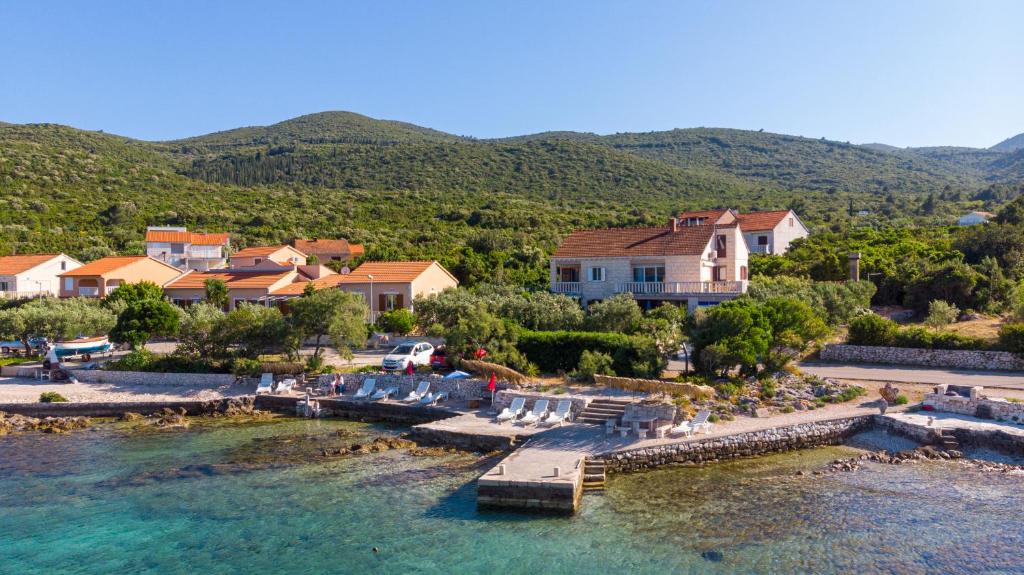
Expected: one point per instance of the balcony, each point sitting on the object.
(568, 288)
(682, 288)
(23, 294)
(760, 249)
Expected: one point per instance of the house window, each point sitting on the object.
(743, 273)
(4, 286)
(63, 265)
(567, 274)
(256, 260)
(762, 240)
(718, 273)
(596, 274)
(390, 301)
(720, 243)
(649, 274)
(791, 223)
(85, 291)
(69, 284)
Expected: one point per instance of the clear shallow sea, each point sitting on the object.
(258, 499)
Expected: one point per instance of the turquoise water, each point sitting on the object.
(262, 498)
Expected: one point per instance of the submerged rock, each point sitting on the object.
(713, 555)
(20, 423)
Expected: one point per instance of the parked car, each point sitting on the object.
(37, 343)
(439, 359)
(417, 353)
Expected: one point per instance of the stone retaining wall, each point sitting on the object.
(149, 378)
(359, 410)
(967, 359)
(813, 434)
(458, 389)
(976, 406)
(466, 441)
(116, 408)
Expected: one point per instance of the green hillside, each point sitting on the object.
(488, 209)
(1010, 144)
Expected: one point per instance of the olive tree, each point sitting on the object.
(330, 313)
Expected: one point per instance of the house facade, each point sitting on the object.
(100, 277)
(252, 286)
(771, 232)
(187, 250)
(384, 285)
(329, 250)
(257, 255)
(33, 275)
(694, 261)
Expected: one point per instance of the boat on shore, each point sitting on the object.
(83, 347)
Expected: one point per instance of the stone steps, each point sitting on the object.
(600, 411)
(948, 440)
(593, 475)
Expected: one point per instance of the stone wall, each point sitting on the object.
(116, 408)
(148, 378)
(663, 412)
(359, 410)
(712, 449)
(976, 406)
(458, 389)
(993, 360)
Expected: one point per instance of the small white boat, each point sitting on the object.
(83, 346)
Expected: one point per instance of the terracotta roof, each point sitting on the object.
(11, 265)
(760, 221)
(106, 265)
(262, 251)
(318, 246)
(234, 279)
(194, 238)
(625, 242)
(386, 272)
(297, 288)
(711, 215)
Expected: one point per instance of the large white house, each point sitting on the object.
(699, 259)
(33, 275)
(187, 250)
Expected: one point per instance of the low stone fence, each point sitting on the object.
(150, 378)
(458, 389)
(976, 405)
(662, 412)
(812, 434)
(656, 386)
(117, 408)
(967, 359)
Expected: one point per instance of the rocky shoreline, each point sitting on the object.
(918, 454)
(15, 423)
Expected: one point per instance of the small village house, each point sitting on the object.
(384, 285)
(339, 250)
(771, 232)
(244, 286)
(100, 277)
(266, 256)
(975, 218)
(33, 275)
(187, 250)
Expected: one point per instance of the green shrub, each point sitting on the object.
(594, 363)
(138, 360)
(714, 418)
(872, 329)
(553, 351)
(788, 409)
(245, 367)
(849, 394)
(51, 397)
(725, 388)
(399, 321)
(902, 400)
(941, 313)
(768, 389)
(145, 360)
(314, 363)
(1011, 337)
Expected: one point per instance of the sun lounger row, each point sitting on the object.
(539, 415)
(266, 384)
(421, 395)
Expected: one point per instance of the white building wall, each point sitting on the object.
(43, 278)
(785, 232)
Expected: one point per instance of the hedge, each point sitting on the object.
(874, 330)
(552, 351)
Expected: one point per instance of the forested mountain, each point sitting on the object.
(489, 209)
(1010, 144)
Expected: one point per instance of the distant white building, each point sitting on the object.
(33, 275)
(975, 218)
(187, 250)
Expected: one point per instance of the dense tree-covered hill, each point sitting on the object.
(489, 209)
(1010, 144)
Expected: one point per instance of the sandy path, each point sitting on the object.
(22, 390)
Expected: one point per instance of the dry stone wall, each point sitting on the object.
(150, 378)
(967, 359)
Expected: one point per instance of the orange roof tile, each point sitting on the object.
(12, 265)
(298, 288)
(625, 242)
(262, 251)
(760, 221)
(194, 238)
(106, 265)
(233, 279)
(400, 272)
(318, 246)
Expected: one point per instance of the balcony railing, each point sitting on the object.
(565, 287)
(23, 294)
(681, 288)
(760, 249)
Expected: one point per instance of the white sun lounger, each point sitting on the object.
(266, 384)
(540, 409)
(369, 385)
(681, 429)
(559, 415)
(700, 421)
(285, 385)
(384, 393)
(512, 411)
(433, 398)
(419, 393)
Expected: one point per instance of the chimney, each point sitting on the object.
(673, 224)
(854, 266)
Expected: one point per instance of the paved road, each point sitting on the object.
(907, 374)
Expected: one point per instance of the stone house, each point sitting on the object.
(187, 250)
(771, 232)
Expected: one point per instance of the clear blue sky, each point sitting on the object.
(896, 71)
